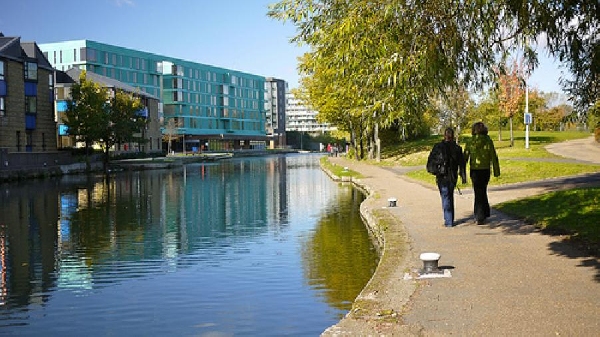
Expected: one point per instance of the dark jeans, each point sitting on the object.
(481, 208)
(446, 188)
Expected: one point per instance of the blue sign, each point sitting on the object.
(527, 117)
(63, 130)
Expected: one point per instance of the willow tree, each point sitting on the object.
(397, 54)
(454, 107)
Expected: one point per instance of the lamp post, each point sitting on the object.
(527, 116)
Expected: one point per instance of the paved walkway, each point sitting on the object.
(506, 277)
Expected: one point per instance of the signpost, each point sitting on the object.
(527, 117)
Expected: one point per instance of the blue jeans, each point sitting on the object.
(446, 188)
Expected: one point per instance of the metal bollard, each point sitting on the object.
(430, 262)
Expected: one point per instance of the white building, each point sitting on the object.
(275, 108)
(303, 119)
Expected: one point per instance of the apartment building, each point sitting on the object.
(26, 98)
(202, 106)
(303, 119)
(275, 108)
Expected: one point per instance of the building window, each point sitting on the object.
(30, 71)
(177, 96)
(177, 83)
(1, 70)
(60, 56)
(51, 86)
(30, 104)
(2, 110)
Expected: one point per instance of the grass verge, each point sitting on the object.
(338, 170)
(574, 213)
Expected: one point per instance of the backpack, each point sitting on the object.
(437, 162)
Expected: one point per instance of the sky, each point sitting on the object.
(232, 34)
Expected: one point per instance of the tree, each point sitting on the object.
(511, 90)
(454, 107)
(594, 119)
(537, 105)
(170, 133)
(87, 113)
(392, 56)
(125, 122)
(571, 34)
(92, 117)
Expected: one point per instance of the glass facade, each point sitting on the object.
(204, 102)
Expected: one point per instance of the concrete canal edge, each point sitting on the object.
(378, 309)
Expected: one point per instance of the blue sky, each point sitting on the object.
(234, 34)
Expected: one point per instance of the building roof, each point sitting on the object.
(10, 47)
(72, 76)
(13, 48)
(31, 50)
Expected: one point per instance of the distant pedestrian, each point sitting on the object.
(446, 161)
(481, 156)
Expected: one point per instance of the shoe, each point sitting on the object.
(481, 222)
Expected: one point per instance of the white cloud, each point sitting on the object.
(120, 3)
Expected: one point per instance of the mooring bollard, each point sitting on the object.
(430, 262)
(392, 202)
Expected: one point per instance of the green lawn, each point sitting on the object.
(338, 170)
(517, 164)
(573, 212)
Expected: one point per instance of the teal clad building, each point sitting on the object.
(202, 107)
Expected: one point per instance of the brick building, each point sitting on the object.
(27, 123)
(26, 98)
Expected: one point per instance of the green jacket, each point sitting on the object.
(481, 154)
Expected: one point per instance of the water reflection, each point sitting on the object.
(337, 256)
(215, 241)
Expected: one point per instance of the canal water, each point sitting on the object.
(244, 247)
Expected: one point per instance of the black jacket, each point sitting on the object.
(456, 161)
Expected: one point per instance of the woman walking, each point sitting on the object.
(481, 156)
